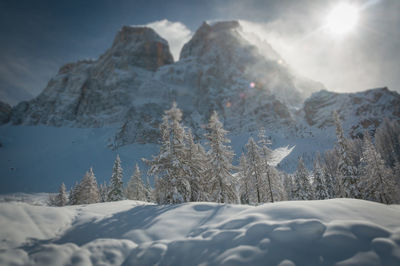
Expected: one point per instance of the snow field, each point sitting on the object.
(329, 232)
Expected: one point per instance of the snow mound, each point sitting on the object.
(330, 232)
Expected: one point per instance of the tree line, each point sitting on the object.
(189, 171)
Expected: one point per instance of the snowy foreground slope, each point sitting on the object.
(330, 232)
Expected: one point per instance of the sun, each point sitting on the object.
(342, 19)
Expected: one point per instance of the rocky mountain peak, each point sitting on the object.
(220, 35)
(138, 46)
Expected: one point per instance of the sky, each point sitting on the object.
(40, 36)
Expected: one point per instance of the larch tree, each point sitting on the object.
(255, 173)
(220, 157)
(196, 160)
(244, 181)
(136, 190)
(387, 140)
(288, 185)
(170, 165)
(348, 171)
(87, 191)
(272, 179)
(116, 190)
(378, 183)
(103, 190)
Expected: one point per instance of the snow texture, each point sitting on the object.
(328, 232)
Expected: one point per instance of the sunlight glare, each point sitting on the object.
(343, 18)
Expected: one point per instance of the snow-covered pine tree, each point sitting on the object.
(348, 171)
(378, 183)
(72, 198)
(319, 184)
(103, 190)
(244, 181)
(116, 190)
(220, 158)
(255, 173)
(170, 165)
(135, 189)
(88, 191)
(302, 188)
(331, 164)
(61, 198)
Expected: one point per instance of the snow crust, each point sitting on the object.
(329, 232)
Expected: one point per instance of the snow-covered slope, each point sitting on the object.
(330, 232)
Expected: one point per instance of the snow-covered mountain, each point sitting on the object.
(359, 111)
(136, 79)
(118, 101)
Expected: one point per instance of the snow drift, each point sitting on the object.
(330, 232)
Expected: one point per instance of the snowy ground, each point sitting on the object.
(330, 232)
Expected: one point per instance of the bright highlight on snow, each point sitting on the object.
(342, 19)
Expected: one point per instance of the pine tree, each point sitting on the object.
(61, 198)
(73, 194)
(116, 191)
(302, 189)
(220, 161)
(319, 183)
(87, 191)
(136, 190)
(378, 179)
(330, 166)
(347, 169)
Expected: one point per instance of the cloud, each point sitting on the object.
(176, 33)
(20, 81)
(363, 59)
